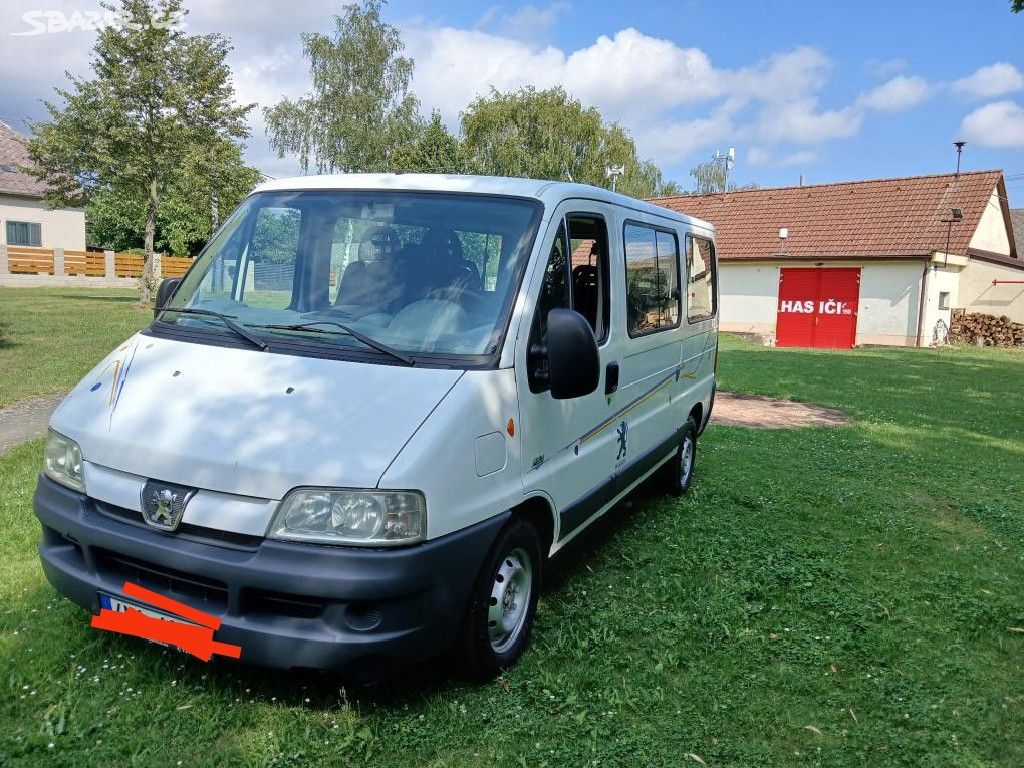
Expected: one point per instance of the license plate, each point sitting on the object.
(120, 605)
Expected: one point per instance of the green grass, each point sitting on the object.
(51, 337)
(837, 597)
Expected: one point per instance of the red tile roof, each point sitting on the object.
(858, 219)
(13, 154)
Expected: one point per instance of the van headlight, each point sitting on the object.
(62, 461)
(338, 516)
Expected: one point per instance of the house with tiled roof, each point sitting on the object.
(1017, 221)
(24, 220)
(885, 261)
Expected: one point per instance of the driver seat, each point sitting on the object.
(374, 280)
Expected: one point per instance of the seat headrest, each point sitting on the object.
(380, 243)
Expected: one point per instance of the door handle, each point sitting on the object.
(611, 378)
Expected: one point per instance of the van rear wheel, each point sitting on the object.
(677, 474)
(496, 628)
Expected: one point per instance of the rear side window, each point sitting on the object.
(652, 279)
(701, 275)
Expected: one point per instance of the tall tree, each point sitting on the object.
(435, 150)
(710, 178)
(548, 134)
(157, 96)
(209, 183)
(359, 110)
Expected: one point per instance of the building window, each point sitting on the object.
(652, 279)
(700, 279)
(944, 300)
(24, 233)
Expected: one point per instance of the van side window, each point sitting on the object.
(554, 294)
(652, 279)
(701, 274)
(588, 244)
(555, 291)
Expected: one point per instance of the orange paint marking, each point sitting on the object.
(171, 606)
(194, 639)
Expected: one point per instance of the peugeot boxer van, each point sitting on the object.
(375, 406)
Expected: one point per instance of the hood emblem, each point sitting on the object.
(163, 504)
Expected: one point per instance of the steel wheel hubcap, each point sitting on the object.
(687, 463)
(510, 600)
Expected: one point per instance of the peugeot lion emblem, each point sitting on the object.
(163, 504)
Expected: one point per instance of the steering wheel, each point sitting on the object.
(475, 301)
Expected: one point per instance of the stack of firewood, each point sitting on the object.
(987, 330)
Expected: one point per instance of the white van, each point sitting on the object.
(376, 405)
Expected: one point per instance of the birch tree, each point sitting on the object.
(359, 110)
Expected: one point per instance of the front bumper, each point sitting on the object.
(287, 605)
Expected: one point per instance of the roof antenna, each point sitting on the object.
(959, 151)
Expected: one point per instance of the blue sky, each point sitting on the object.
(831, 90)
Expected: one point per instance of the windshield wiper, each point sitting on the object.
(367, 340)
(256, 341)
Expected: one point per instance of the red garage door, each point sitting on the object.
(817, 307)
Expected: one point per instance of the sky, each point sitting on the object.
(828, 90)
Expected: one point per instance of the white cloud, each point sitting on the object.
(783, 77)
(530, 22)
(885, 67)
(761, 157)
(674, 140)
(999, 124)
(672, 98)
(634, 72)
(902, 92)
(799, 122)
(993, 80)
(651, 85)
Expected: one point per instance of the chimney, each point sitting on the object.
(801, 179)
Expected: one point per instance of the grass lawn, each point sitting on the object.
(836, 597)
(52, 337)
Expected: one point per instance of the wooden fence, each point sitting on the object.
(128, 265)
(29, 261)
(88, 263)
(175, 266)
(22, 260)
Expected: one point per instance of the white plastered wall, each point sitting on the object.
(60, 228)
(991, 234)
(748, 295)
(889, 302)
(941, 279)
(977, 294)
(886, 314)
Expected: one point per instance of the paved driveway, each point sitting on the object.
(25, 420)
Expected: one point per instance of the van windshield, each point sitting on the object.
(417, 272)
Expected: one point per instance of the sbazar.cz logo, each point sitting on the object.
(42, 22)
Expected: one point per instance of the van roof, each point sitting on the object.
(548, 192)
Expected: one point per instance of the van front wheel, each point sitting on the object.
(497, 625)
(677, 474)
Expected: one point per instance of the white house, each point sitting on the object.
(839, 265)
(24, 220)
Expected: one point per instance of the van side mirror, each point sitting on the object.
(164, 292)
(574, 366)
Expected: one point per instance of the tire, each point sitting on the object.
(499, 617)
(678, 472)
